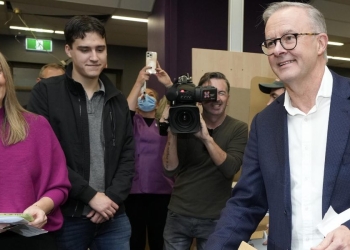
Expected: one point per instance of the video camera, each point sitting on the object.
(183, 96)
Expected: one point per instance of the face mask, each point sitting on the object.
(147, 103)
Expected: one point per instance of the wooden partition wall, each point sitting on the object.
(244, 72)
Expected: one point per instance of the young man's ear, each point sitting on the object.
(67, 50)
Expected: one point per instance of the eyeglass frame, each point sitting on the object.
(279, 39)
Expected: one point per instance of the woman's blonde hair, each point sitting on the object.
(14, 127)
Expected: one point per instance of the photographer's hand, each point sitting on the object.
(203, 133)
(163, 76)
(165, 114)
(163, 121)
(216, 153)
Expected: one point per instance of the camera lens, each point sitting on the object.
(184, 119)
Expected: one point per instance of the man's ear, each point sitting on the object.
(322, 43)
(67, 50)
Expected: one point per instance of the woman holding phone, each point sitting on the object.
(147, 204)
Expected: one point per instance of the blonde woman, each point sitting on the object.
(33, 173)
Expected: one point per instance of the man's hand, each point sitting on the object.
(95, 217)
(103, 205)
(203, 133)
(38, 214)
(338, 239)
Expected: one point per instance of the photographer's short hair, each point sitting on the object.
(78, 26)
(217, 75)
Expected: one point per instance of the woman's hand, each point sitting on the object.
(142, 76)
(40, 218)
(39, 210)
(163, 77)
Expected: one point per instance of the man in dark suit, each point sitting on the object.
(297, 160)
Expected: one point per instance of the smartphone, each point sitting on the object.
(151, 61)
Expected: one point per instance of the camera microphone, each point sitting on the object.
(171, 94)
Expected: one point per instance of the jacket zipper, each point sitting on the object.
(113, 127)
(77, 204)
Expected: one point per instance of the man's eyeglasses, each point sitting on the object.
(288, 42)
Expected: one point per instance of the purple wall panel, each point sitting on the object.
(254, 26)
(177, 26)
(201, 24)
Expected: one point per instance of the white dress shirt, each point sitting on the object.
(307, 137)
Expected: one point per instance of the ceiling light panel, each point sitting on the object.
(133, 19)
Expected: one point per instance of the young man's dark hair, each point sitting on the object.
(78, 26)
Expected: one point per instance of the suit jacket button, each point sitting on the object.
(285, 212)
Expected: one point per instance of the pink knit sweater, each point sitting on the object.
(32, 169)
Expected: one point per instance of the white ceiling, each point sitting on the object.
(53, 14)
(49, 14)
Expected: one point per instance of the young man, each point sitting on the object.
(92, 121)
(274, 90)
(203, 164)
(296, 163)
(50, 70)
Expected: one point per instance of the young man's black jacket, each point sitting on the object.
(62, 101)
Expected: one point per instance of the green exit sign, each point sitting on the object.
(38, 44)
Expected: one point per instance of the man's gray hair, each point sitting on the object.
(316, 17)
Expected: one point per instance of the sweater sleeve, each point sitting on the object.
(53, 179)
(238, 139)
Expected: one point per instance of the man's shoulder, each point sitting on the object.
(52, 82)
(341, 85)
(233, 121)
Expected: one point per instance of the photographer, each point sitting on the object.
(203, 164)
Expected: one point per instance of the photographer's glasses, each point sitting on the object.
(287, 41)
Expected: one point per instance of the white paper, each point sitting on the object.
(332, 220)
(12, 220)
(27, 231)
(21, 227)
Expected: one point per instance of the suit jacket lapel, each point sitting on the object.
(337, 137)
(281, 142)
